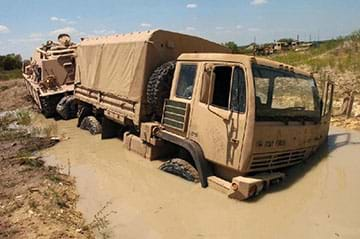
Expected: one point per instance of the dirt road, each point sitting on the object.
(319, 199)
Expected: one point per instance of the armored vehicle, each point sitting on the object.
(230, 121)
(49, 77)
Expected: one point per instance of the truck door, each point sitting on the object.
(217, 119)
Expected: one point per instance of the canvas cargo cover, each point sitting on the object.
(121, 64)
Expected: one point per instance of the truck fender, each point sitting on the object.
(195, 151)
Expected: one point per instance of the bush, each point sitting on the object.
(10, 62)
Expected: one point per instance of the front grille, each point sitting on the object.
(262, 162)
(175, 115)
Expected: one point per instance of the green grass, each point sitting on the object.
(9, 75)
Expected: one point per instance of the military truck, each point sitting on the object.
(49, 77)
(229, 121)
(125, 78)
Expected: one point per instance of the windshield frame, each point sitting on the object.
(291, 113)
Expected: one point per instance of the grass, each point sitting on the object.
(9, 75)
(23, 117)
(342, 54)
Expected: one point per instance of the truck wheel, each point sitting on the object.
(180, 168)
(158, 88)
(91, 124)
(67, 107)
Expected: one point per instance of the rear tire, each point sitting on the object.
(91, 124)
(181, 168)
(67, 107)
(48, 105)
(158, 88)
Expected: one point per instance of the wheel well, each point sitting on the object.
(193, 152)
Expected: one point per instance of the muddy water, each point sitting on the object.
(320, 199)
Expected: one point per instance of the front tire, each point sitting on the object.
(181, 168)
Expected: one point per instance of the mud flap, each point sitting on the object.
(110, 129)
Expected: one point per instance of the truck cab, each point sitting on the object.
(246, 114)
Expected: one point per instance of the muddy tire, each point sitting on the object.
(182, 168)
(48, 105)
(67, 107)
(158, 88)
(91, 124)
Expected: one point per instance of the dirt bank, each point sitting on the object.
(36, 201)
(14, 95)
(317, 199)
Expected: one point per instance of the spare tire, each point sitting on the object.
(67, 107)
(158, 88)
(91, 124)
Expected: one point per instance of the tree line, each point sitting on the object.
(10, 62)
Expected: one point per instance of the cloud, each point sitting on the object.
(190, 28)
(36, 35)
(253, 29)
(145, 24)
(258, 2)
(191, 5)
(239, 26)
(103, 32)
(219, 28)
(63, 20)
(4, 29)
(25, 40)
(68, 30)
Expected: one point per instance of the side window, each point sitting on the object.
(262, 86)
(186, 81)
(238, 91)
(222, 81)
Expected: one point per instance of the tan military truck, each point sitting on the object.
(49, 77)
(230, 121)
(125, 78)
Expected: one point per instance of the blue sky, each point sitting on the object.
(24, 24)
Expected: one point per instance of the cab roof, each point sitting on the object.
(237, 58)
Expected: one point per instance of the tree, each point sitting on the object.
(10, 62)
(287, 40)
(232, 45)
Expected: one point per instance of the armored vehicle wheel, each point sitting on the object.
(67, 107)
(91, 124)
(48, 105)
(158, 88)
(180, 168)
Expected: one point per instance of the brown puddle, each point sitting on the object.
(319, 199)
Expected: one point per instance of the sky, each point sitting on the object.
(26, 24)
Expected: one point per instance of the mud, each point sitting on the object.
(36, 201)
(318, 199)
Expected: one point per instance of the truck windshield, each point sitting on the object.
(283, 95)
